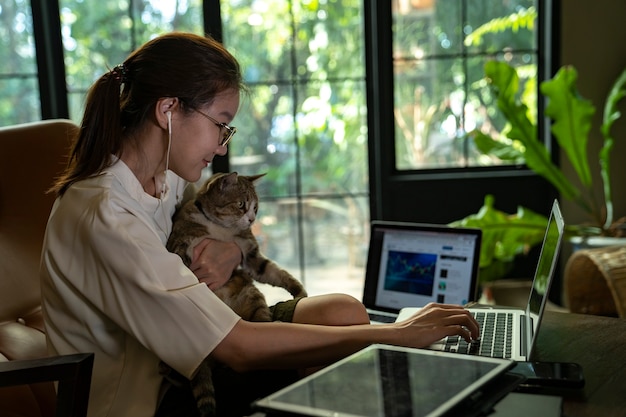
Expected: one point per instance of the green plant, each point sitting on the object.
(571, 117)
(507, 235)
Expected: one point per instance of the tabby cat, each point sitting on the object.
(224, 209)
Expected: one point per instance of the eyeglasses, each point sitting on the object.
(228, 131)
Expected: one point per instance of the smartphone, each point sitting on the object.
(551, 374)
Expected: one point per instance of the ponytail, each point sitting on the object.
(99, 136)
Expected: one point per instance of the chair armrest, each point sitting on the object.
(72, 372)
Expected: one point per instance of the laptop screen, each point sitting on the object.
(411, 264)
(546, 266)
(387, 381)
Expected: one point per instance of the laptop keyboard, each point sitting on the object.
(496, 334)
(381, 318)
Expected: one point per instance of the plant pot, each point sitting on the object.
(595, 279)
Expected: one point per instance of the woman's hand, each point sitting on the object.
(214, 261)
(435, 321)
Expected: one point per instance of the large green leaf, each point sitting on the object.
(504, 151)
(505, 236)
(506, 83)
(571, 117)
(610, 115)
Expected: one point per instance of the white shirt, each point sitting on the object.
(110, 286)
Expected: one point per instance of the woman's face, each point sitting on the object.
(196, 138)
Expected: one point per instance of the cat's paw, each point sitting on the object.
(302, 293)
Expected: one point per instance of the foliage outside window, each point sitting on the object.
(304, 121)
(99, 35)
(440, 49)
(19, 90)
(304, 124)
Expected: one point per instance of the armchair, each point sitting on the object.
(71, 372)
(31, 156)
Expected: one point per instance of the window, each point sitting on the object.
(304, 125)
(18, 74)
(427, 91)
(357, 109)
(99, 35)
(439, 51)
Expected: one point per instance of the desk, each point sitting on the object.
(598, 344)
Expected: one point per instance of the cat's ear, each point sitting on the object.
(254, 178)
(207, 184)
(229, 179)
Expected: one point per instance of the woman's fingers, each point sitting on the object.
(445, 320)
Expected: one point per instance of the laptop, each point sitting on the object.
(516, 329)
(390, 381)
(413, 264)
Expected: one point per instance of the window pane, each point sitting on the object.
(99, 35)
(260, 35)
(329, 39)
(498, 25)
(265, 139)
(336, 232)
(429, 99)
(304, 123)
(440, 48)
(20, 101)
(335, 237)
(427, 27)
(96, 37)
(331, 139)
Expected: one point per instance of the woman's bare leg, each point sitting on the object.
(330, 310)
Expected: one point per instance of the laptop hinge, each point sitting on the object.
(524, 337)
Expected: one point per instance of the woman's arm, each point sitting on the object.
(277, 345)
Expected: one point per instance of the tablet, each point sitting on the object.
(389, 381)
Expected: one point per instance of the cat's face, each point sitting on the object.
(230, 199)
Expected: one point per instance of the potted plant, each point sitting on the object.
(506, 236)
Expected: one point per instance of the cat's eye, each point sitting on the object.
(241, 204)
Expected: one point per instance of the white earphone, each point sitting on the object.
(169, 148)
(169, 121)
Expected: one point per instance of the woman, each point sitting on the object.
(109, 285)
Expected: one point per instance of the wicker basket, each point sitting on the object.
(595, 281)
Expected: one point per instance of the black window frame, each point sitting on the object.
(449, 194)
(391, 189)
